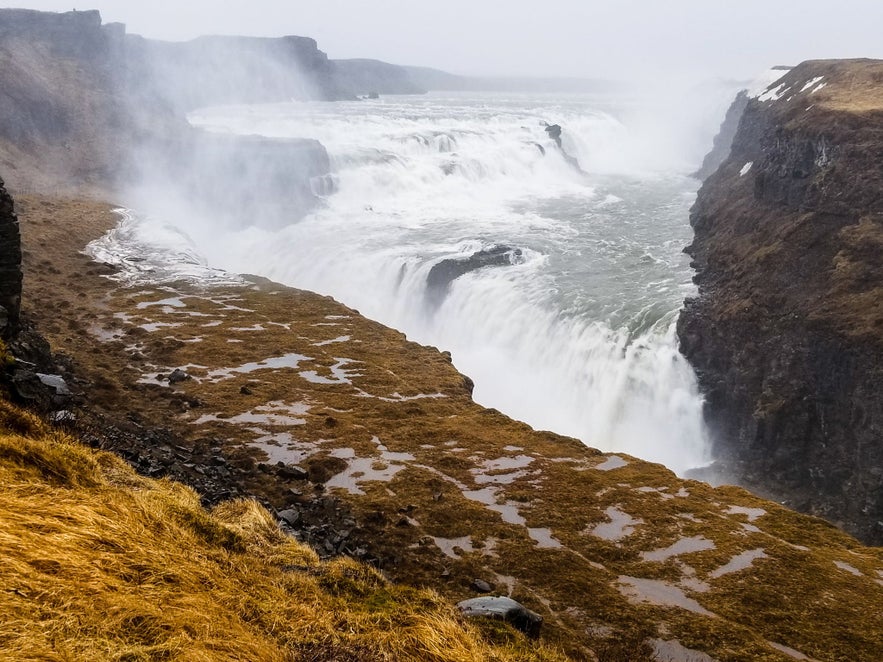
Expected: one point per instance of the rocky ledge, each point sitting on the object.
(786, 333)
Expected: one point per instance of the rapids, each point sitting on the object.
(577, 335)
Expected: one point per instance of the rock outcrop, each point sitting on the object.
(442, 274)
(787, 331)
(10, 267)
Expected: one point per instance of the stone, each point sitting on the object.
(177, 376)
(481, 586)
(503, 609)
(63, 417)
(55, 382)
(291, 472)
(290, 516)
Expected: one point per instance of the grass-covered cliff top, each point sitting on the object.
(102, 564)
(620, 556)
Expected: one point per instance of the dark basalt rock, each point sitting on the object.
(177, 376)
(440, 277)
(503, 609)
(555, 131)
(786, 334)
(10, 267)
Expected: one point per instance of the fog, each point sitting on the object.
(626, 39)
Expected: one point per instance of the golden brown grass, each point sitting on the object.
(101, 564)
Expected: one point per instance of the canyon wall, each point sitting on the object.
(10, 266)
(786, 333)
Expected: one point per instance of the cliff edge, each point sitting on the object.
(786, 333)
(10, 266)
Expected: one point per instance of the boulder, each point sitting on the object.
(503, 609)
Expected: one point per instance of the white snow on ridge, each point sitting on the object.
(763, 82)
(811, 83)
(746, 168)
(774, 94)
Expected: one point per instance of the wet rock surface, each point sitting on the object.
(786, 334)
(440, 277)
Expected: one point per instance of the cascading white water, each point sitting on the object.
(577, 337)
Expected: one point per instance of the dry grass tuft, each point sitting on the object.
(100, 564)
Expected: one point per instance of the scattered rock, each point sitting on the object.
(62, 417)
(54, 382)
(244, 390)
(177, 376)
(290, 516)
(504, 609)
(291, 472)
(481, 586)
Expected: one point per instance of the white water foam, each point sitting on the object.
(578, 336)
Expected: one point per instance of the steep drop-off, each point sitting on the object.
(787, 331)
(10, 266)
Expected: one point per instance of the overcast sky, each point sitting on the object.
(586, 38)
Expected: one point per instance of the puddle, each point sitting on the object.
(658, 593)
(544, 538)
(621, 525)
(361, 470)
(272, 363)
(848, 568)
(172, 302)
(682, 546)
(790, 652)
(751, 513)
(273, 413)
(106, 335)
(396, 397)
(364, 469)
(150, 327)
(488, 497)
(339, 373)
(282, 447)
(612, 462)
(332, 341)
(449, 546)
(674, 651)
(739, 562)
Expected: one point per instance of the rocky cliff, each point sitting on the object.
(786, 333)
(60, 116)
(10, 266)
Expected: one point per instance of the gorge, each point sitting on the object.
(291, 413)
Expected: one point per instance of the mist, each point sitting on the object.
(624, 40)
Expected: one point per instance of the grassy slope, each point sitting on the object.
(796, 595)
(101, 564)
